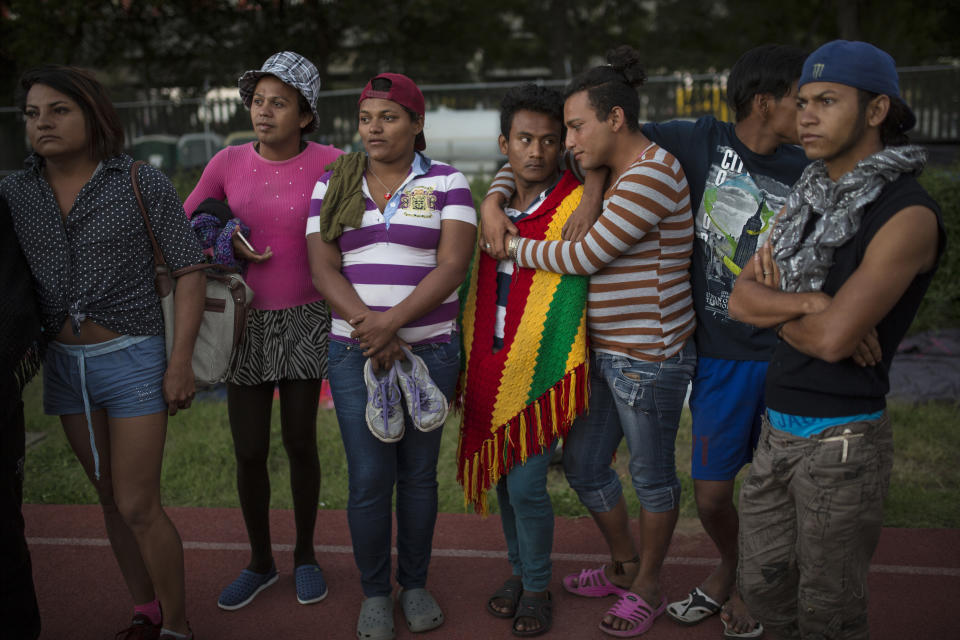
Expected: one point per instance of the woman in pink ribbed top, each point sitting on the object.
(271, 197)
(268, 186)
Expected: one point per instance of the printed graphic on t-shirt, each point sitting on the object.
(419, 202)
(733, 221)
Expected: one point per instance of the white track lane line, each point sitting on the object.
(586, 558)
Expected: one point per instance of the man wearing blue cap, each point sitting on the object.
(847, 264)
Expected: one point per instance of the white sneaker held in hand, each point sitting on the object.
(384, 410)
(426, 404)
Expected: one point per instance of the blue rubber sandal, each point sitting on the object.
(244, 589)
(311, 587)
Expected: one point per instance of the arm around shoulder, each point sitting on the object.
(590, 207)
(495, 226)
(634, 208)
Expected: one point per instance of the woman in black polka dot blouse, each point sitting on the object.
(106, 373)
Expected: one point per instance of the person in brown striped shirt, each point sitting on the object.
(641, 321)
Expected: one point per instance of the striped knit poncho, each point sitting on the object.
(518, 401)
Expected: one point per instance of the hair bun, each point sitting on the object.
(626, 60)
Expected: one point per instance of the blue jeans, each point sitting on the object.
(527, 517)
(374, 467)
(640, 401)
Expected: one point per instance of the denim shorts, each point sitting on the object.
(123, 376)
(640, 401)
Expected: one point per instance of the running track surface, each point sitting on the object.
(914, 580)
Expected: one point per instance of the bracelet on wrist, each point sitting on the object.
(512, 247)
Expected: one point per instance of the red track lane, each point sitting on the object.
(914, 581)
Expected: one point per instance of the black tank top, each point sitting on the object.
(802, 385)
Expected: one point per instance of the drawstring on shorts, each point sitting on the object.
(81, 352)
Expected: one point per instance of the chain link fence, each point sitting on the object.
(176, 134)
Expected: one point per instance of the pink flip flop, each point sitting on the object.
(635, 610)
(592, 583)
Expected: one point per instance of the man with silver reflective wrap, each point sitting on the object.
(848, 262)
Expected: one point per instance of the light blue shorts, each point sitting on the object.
(123, 376)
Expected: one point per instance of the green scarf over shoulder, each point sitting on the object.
(344, 203)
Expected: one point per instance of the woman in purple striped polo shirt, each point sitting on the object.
(389, 261)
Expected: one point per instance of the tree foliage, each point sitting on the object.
(140, 45)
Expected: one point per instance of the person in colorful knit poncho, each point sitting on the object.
(524, 379)
(640, 317)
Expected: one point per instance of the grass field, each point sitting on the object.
(199, 468)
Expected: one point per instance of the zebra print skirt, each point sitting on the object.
(283, 344)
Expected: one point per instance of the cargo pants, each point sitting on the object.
(811, 511)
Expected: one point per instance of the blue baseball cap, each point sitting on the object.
(856, 64)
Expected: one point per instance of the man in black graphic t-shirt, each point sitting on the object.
(739, 176)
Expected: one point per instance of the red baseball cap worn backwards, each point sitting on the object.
(404, 92)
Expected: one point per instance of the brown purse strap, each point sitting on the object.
(134, 174)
